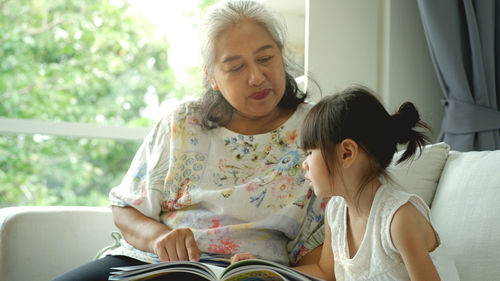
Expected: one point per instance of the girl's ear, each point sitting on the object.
(349, 152)
(213, 83)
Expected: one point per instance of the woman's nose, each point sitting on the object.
(256, 76)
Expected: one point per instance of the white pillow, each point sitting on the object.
(421, 175)
(466, 213)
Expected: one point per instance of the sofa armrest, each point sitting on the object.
(40, 243)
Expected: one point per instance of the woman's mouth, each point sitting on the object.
(260, 94)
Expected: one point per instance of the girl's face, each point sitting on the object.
(248, 69)
(317, 173)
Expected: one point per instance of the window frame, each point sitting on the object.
(70, 129)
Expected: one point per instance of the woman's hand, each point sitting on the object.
(150, 235)
(242, 256)
(176, 244)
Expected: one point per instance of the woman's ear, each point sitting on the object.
(212, 81)
(348, 152)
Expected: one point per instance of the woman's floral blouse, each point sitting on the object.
(238, 193)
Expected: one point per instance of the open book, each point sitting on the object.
(213, 270)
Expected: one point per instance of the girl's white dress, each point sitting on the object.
(377, 257)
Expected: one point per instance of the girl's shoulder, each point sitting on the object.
(410, 227)
(401, 208)
(399, 197)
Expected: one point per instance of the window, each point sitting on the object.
(81, 83)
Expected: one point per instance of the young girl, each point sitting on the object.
(373, 230)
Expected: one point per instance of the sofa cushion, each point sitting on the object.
(421, 175)
(466, 213)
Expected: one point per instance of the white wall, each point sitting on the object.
(342, 43)
(378, 43)
(410, 72)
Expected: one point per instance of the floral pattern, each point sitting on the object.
(238, 193)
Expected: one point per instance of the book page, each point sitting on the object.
(244, 270)
(217, 270)
(254, 274)
(255, 266)
(146, 271)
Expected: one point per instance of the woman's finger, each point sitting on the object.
(172, 251)
(162, 254)
(192, 249)
(180, 247)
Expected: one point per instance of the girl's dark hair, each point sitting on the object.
(217, 112)
(355, 113)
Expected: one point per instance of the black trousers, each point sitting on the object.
(99, 270)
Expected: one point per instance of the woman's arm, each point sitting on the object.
(320, 261)
(414, 238)
(152, 236)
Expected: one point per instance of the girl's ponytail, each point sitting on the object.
(404, 123)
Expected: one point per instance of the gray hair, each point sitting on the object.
(231, 12)
(215, 110)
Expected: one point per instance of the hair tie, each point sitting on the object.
(403, 122)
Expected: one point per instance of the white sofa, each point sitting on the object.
(40, 243)
(463, 189)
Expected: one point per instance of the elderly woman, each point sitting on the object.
(222, 174)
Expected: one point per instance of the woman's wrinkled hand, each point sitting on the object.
(241, 256)
(177, 244)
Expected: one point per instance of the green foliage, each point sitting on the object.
(60, 171)
(59, 59)
(78, 61)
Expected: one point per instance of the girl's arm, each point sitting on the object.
(324, 267)
(311, 257)
(414, 238)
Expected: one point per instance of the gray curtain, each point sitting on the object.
(463, 38)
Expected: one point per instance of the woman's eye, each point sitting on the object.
(308, 153)
(265, 59)
(234, 69)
